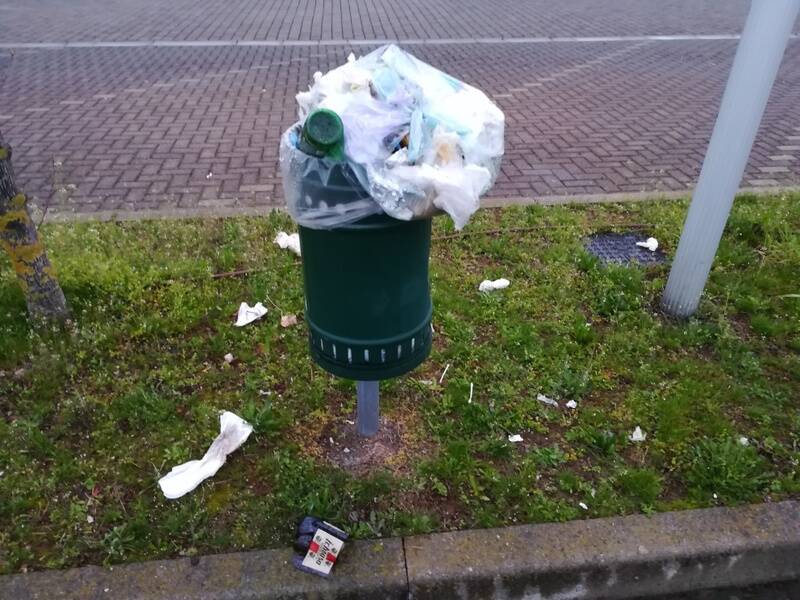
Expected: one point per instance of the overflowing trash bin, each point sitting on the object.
(383, 144)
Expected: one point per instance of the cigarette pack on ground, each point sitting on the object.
(318, 546)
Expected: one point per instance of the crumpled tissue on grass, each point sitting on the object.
(248, 314)
(651, 244)
(545, 400)
(638, 435)
(288, 320)
(488, 285)
(417, 140)
(182, 479)
(290, 241)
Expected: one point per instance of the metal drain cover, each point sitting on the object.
(621, 248)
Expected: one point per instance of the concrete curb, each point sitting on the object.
(688, 554)
(53, 215)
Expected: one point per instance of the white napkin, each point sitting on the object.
(638, 435)
(233, 431)
(651, 244)
(285, 240)
(248, 314)
(498, 284)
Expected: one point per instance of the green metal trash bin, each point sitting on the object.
(367, 296)
(368, 303)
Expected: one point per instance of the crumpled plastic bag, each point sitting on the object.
(418, 140)
(320, 193)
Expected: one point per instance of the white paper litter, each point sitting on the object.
(469, 400)
(498, 284)
(545, 400)
(515, 438)
(638, 435)
(444, 373)
(248, 314)
(571, 404)
(228, 358)
(651, 244)
(290, 241)
(288, 320)
(182, 479)
(743, 441)
(583, 505)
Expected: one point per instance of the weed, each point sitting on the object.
(726, 469)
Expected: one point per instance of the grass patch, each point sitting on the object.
(92, 418)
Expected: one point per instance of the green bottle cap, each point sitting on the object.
(323, 135)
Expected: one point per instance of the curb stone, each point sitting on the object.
(224, 209)
(747, 553)
(623, 557)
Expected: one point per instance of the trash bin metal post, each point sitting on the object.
(755, 66)
(367, 407)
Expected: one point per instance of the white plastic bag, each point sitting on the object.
(417, 139)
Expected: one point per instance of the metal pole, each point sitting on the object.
(367, 407)
(755, 66)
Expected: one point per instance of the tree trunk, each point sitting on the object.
(19, 239)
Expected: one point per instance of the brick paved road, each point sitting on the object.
(195, 127)
(62, 20)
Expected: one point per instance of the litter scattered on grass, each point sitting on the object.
(182, 479)
(571, 404)
(444, 373)
(583, 505)
(488, 285)
(638, 435)
(469, 400)
(515, 438)
(248, 314)
(290, 241)
(651, 244)
(288, 320)
(743, 441)
(228, 358)
(545, 400)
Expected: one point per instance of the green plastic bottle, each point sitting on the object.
(322, 135)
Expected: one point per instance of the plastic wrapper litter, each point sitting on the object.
(416, 142)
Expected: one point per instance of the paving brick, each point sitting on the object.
(143, 126)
